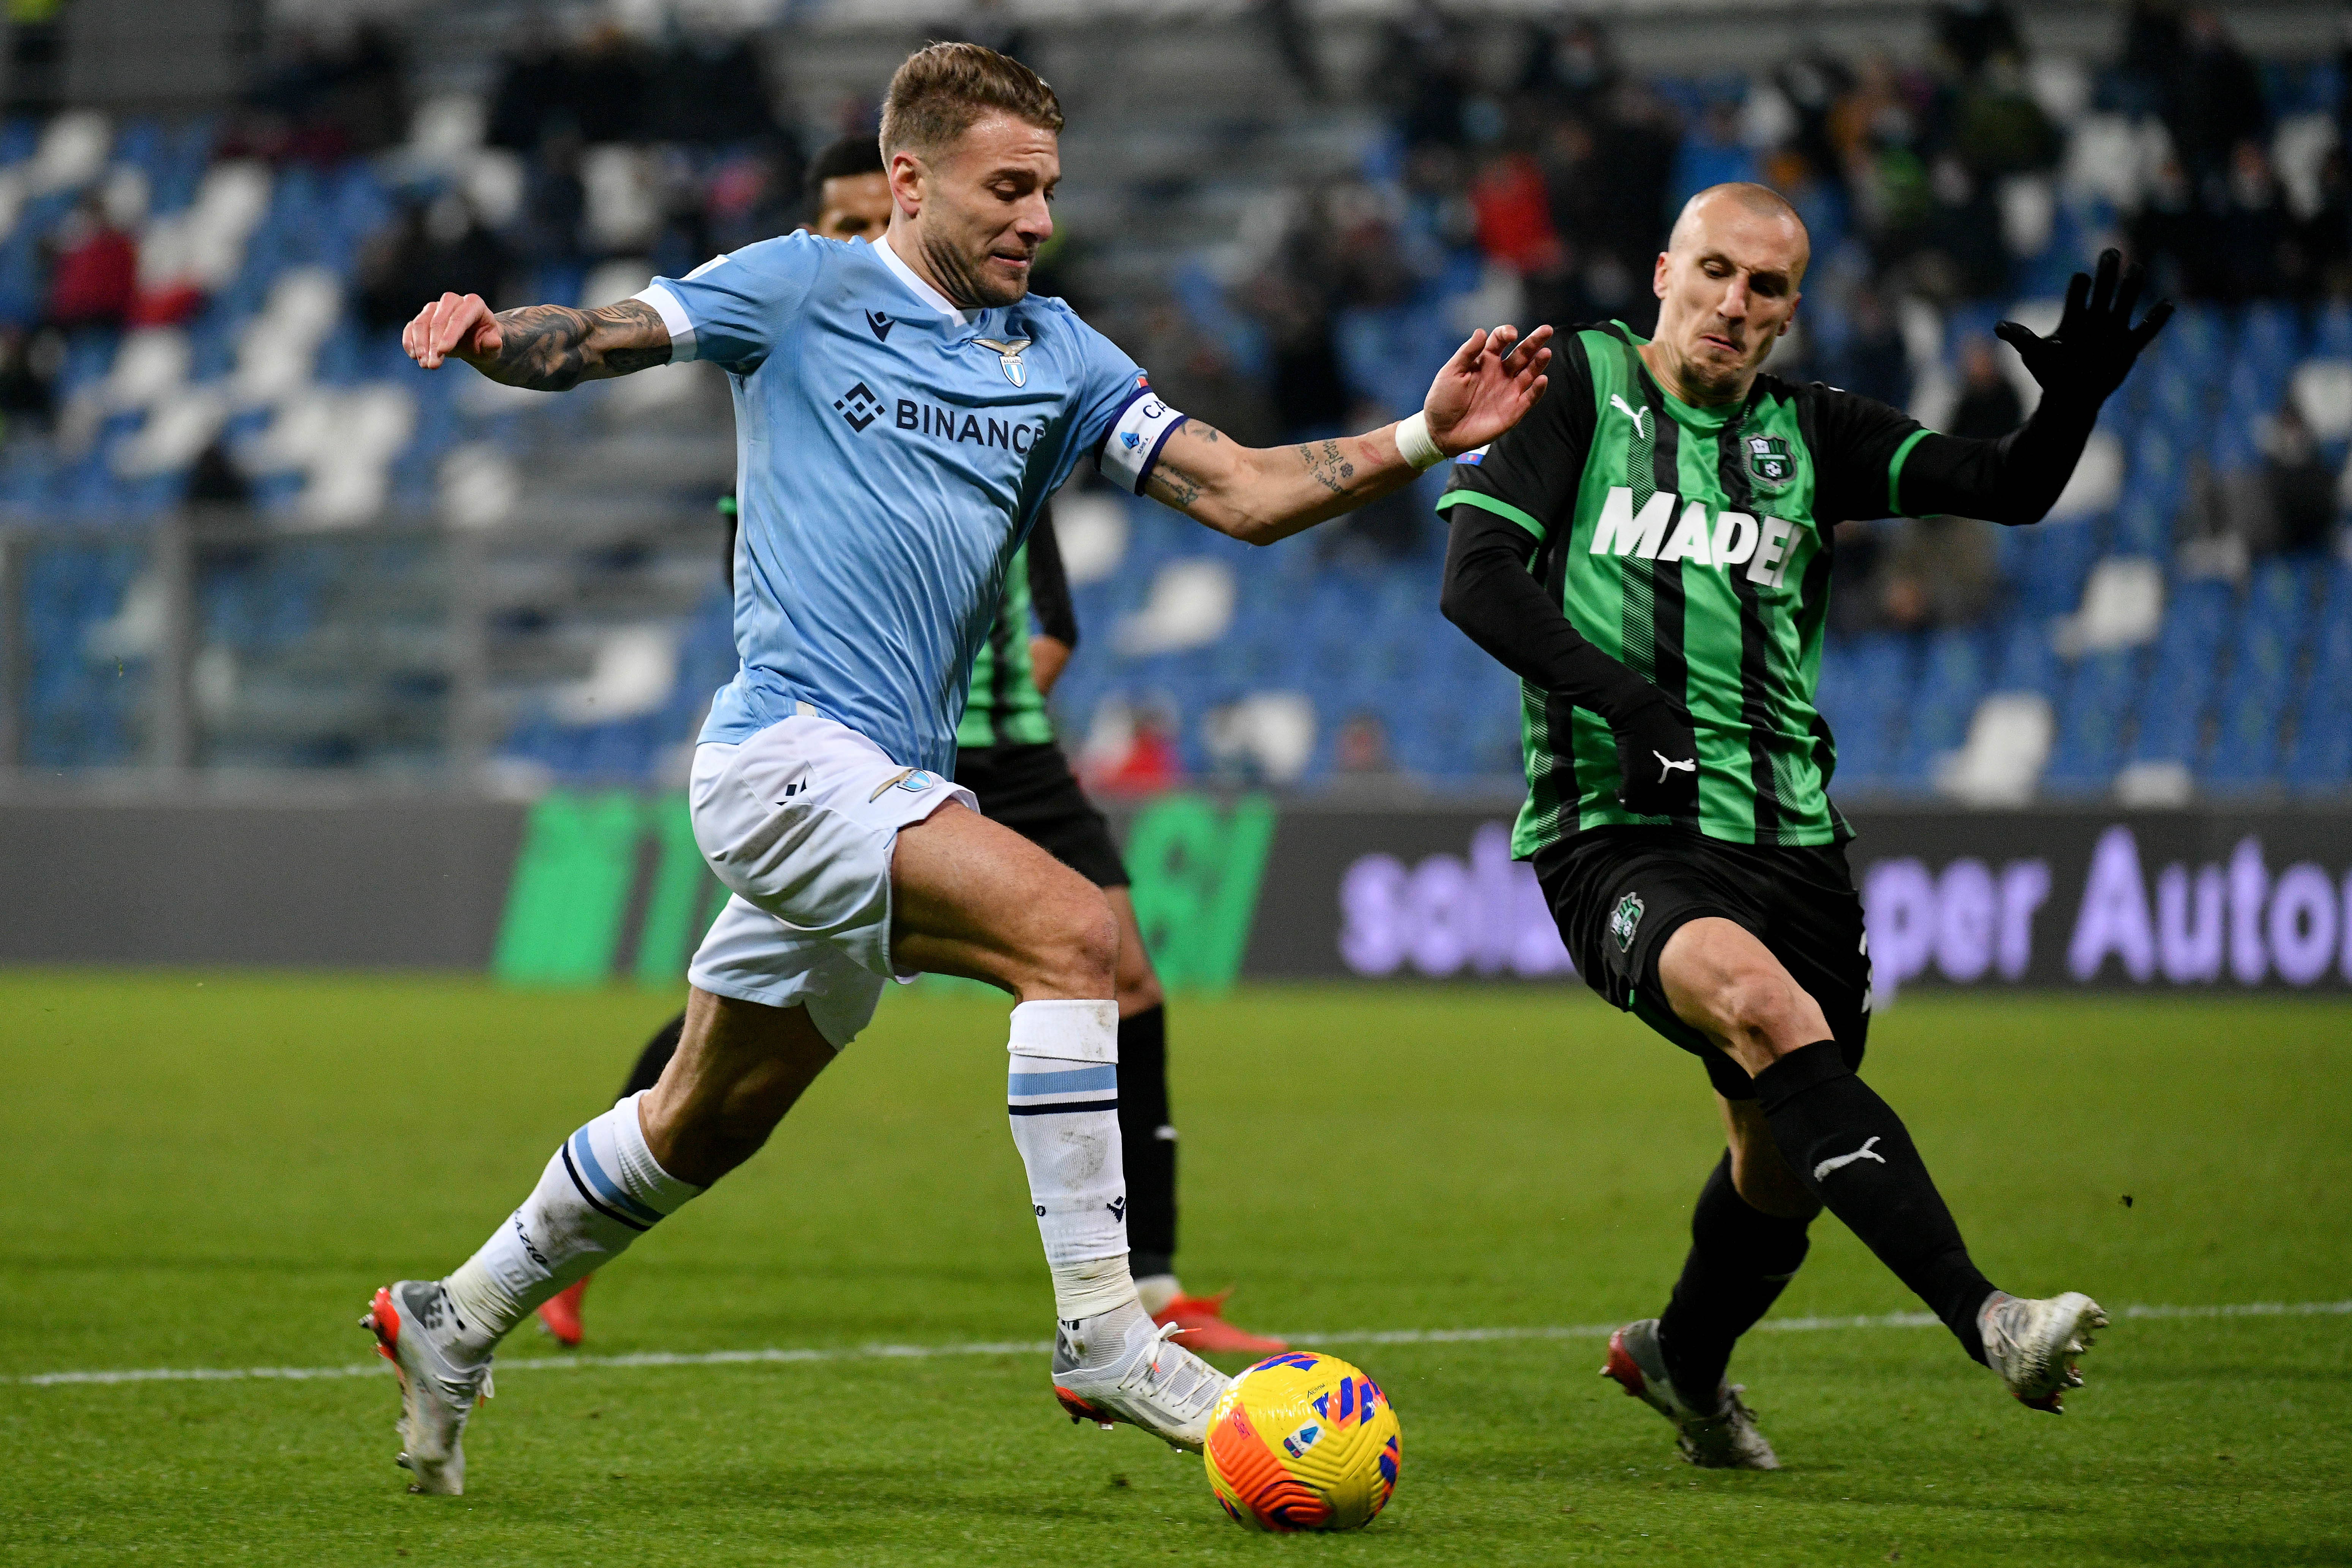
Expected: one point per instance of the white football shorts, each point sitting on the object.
(800, 822)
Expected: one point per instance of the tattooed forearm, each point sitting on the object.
(1254, 495)
(1329, 467)
(552, 348)
(1173, 484)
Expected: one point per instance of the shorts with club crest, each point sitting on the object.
(800, 822)
(1618, 893)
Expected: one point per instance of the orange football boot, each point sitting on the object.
(1201, 1319)
(559, 1314)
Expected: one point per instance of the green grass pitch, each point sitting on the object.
(215, 1171)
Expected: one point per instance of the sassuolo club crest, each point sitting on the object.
(1769, 461)
(1625, 920)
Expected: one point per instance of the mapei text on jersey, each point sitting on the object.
(1728, 539)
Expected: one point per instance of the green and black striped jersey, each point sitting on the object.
(1005, 708)
(1691, 544)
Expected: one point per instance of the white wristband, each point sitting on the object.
(1414, 444)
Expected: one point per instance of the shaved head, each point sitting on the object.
(1746, 197)
(1727, 287)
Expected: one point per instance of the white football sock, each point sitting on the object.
(1062, 1097)
(602, 1191)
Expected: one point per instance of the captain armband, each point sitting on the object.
(1133, 445)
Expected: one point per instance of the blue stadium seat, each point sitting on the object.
(2156, 470)
(2141, 528)
(1953, 678)
(2270, 338)
(2274, 625)
(2251, 393)
(2177, 401)
(2172, 708)
(2046, 565)
(2332, 337)
(2319, 759)
(2197, 340)
(2026, 662)
(2088, 747)
(1865, 684)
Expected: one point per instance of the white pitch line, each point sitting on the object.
(1040, 1347)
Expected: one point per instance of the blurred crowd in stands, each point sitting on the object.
(151, 278)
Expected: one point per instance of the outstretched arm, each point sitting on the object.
(1259, 495)
(2018, 478)
(547, 348)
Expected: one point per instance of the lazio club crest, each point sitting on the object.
(1769, 461)
(1008, 356)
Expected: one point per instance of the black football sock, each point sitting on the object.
(653, 1059)
(1850, 1148)
(1149, 1143)
(1741, 1259)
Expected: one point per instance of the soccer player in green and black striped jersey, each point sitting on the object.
(1650, 552)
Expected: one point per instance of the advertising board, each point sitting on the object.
(586, 887)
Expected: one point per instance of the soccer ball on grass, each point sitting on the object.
(1303, 1441)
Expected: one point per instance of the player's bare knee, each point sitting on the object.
(1093, 945)
(1075, 947)
(1762, 1006)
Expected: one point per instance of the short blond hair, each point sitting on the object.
(938, 91)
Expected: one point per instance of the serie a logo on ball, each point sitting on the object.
(1302, 1441)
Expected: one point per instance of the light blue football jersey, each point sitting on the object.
(889, 459)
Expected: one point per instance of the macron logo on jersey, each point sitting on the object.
(1763, 545)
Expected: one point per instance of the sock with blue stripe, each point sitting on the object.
(1062, 1098)
(602, 1191)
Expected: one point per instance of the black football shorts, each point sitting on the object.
(1031, 790)
(1618, 893)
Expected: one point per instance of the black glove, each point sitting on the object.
(1657, 761)
(2095, 345)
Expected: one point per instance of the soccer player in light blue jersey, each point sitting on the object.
(902, 412)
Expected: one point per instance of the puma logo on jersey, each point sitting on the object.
(1843, 1161)
(1667, 765)
(1630, 412)
(1764, 546)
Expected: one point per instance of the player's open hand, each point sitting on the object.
(2095, 345)
(455, 324)
(1488, 386)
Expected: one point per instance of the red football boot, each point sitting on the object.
(559, 1313)
(1200, 1321)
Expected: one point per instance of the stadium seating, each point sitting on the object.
(2245, 688)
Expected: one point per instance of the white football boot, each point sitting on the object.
(409, 1318)
(1722, 1438)
(1136, 1373)
(2031, 1346)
